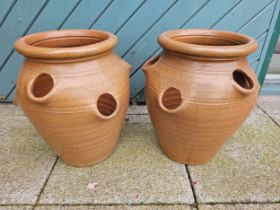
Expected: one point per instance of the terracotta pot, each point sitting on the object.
(199, 91)
(75, 91)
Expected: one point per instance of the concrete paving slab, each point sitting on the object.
(247, 169)
(136, 173)
(256, 110)
(271, 104)
(118, 207)
(15, 207)
(264, 206)
(138, 110)
(10, 109)
(275, 117)
(25, 161)
(136, 119)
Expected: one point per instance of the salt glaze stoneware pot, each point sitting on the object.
(199, 91)
(75, 91)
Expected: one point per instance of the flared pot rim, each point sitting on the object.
(35, 45)
(208, 43)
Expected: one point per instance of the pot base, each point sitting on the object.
(89, 163)
(190, 157)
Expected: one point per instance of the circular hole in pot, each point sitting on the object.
(106, 104)
(242, 79)
(154, 60)
(42, 85)
(171, 98)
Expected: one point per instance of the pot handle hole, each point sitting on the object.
(41, 88)
(150, 62)
(107, 106)
(243, 82)
(170, 100)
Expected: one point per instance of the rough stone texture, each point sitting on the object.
(25, 161)
(271, 104)
(240, 207)
(10, 109)
(136, 119)
(138, 110)
(15, 207)
(136, 173)
(276, 117)
(256, 110)
(247, 169)
(118, 207)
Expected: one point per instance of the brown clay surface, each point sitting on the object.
(199, 91)
(75, 91)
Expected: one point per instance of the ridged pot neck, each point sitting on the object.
(207, 44)
(66, 44)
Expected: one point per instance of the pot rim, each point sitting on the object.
(26, 45)
(242, 45)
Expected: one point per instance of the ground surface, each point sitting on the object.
(244, 175)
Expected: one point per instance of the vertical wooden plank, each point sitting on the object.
(15, 25)
(5, 8)
(261, 20)
(215, 8)
(241, 14)
(45, 21)
(136, 27)
(269, 46)
(256, 55)
(85, 14)
(255, 65)
(115, 16)
(148, 43)
(137, 80)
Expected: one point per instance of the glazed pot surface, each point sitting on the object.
(199, 91)
(75, 91)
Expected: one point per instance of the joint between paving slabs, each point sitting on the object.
(192, 187)
(44, 185)
(240, 202)
(267, 114)
(109, 204)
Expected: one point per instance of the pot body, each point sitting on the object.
(196, 104)
(77, 106)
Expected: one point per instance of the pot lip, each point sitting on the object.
(245, 44)
(25, 45)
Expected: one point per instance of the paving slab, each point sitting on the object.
(264, 206)
(137, 110)
(136, 119)
(16, 207)
(25, 161)
(247, 169)
(118, 207)
(256, 109)
(136, 173)
(271, 104)
(275, 117)
(10, 109)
